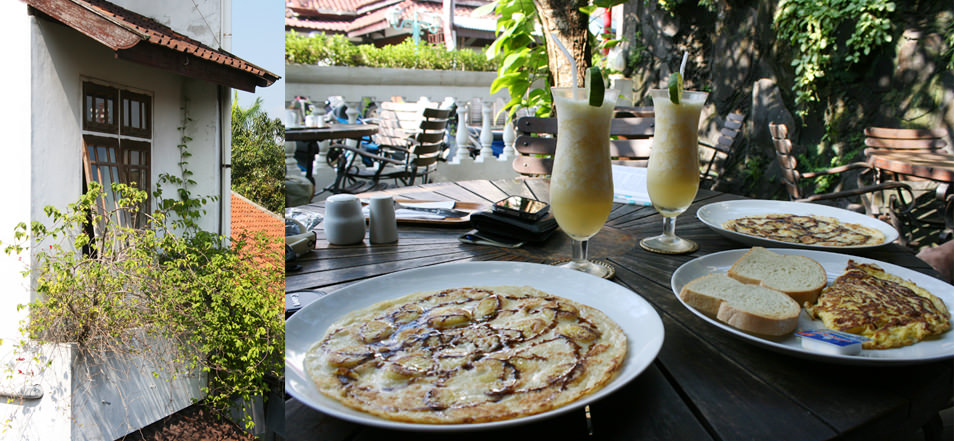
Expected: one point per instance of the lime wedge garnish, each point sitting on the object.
(597, 89)
(675, 87)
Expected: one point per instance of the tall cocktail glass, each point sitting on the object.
(581, 187)
(672, 177)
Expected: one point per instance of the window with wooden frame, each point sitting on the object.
(117, 147)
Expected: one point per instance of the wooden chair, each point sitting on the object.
(536, 143)
(897, 210)
(721, 150)
(931, 201)
(909, 140)
(404, 161)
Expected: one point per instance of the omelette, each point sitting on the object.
(889, 310)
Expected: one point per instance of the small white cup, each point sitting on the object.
(344, 222)
(383, 221)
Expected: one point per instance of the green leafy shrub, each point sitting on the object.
(258, 156)
(220, 304)
(336, 50)
(829, 36)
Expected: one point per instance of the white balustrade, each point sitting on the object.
(486, 133)
(463, 140)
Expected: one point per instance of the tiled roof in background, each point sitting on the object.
(252, 218)
(359, 17)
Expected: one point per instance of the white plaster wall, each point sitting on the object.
(49, 367)
(15, 168)
(199, 19)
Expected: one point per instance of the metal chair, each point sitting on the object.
(404, 160)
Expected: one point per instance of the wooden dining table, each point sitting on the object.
(704, 384)
(935, 166)
(330, 132)
(325, 135)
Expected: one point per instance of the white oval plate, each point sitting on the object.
(929, 350)
(640, 322)
(718, 213)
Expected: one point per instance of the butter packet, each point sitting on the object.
(831, 341)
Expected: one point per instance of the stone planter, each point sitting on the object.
(85, 398)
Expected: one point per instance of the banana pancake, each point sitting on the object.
(893, 312)
(467, 355)
(806, 229)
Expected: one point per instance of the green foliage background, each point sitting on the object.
(258, 156)
(336, 50)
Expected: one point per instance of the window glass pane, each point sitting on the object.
(109, 114)
(100, 154)
(135, 116)
(145, 114)
(100, 109)
(89, 108)
(134, 157)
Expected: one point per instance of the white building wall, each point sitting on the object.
(15, 168)
(47, 64)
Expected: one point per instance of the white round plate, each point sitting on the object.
(717, 213)
(929, 350)
(640, 322)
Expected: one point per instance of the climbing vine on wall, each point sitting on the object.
(829, 36)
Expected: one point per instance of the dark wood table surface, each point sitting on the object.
(933, 166)
(333, 131)
(704, 384)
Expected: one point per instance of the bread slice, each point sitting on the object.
(798, 276)
(750, 308)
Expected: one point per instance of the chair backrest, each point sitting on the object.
(535, 152)
(786, 160)
(913, 140)
(429, 140)
(723, 147)
(398, 121)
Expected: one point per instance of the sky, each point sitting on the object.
(258, 36)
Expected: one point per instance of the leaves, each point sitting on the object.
(219, 304)
(258, 156)
(337, 50)
(816, 31)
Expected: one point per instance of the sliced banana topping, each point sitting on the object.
(350, 356)
(448, 318)
(411, 365)
(375, 331)
(580, 333)
(407, 314)
(487, 308)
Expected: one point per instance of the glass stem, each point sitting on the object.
(579, 250)
(669, 226)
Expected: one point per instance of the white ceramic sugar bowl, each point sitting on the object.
(344, 222)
